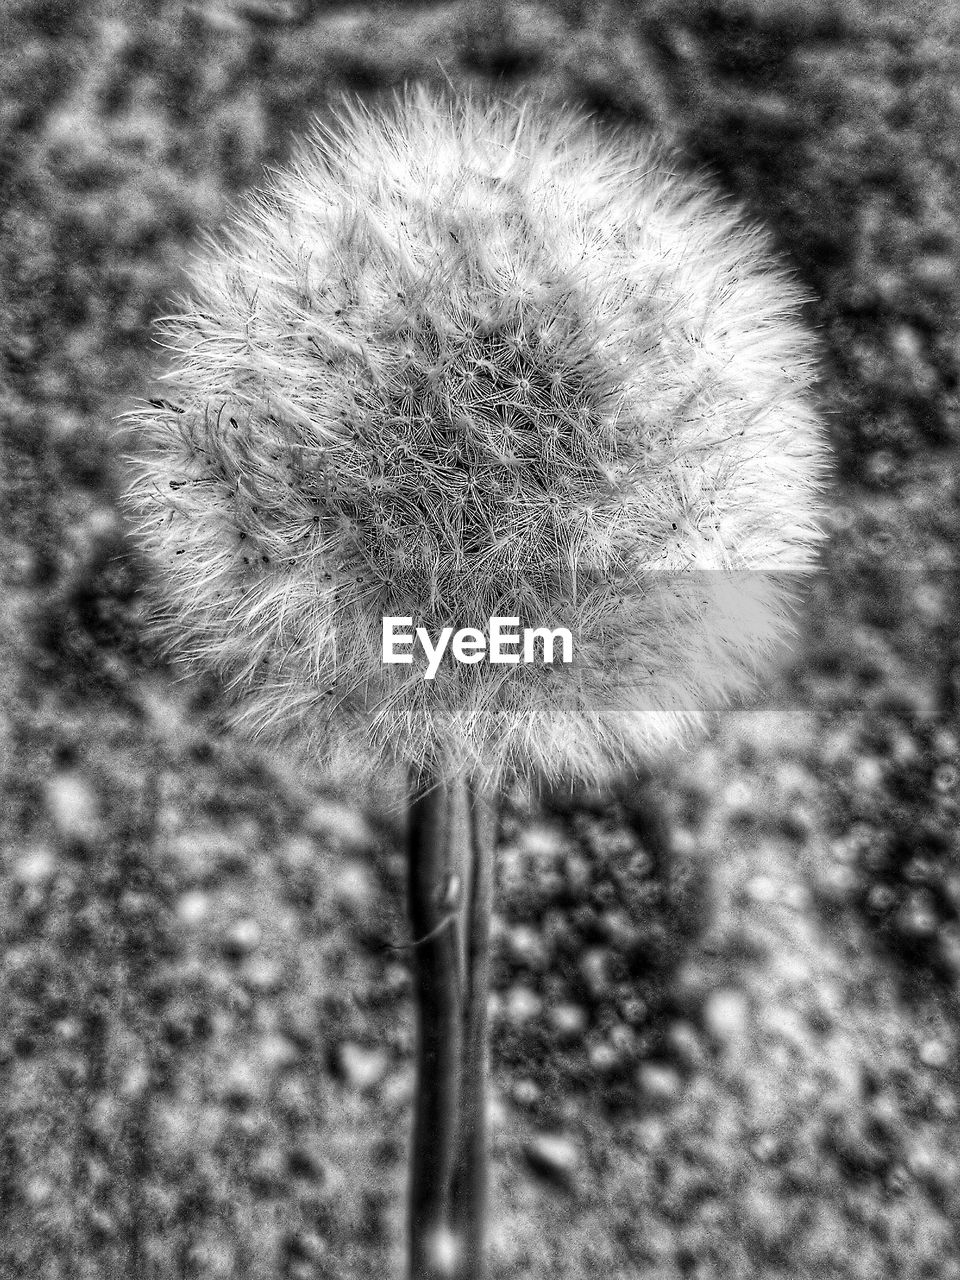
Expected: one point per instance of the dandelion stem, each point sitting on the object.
(469, 1193)
(451, 844)
(432, 878)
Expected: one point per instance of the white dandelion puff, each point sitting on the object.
(466, 359)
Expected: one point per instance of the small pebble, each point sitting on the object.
(307, 1246)
(526, 1093)
(797, 821)
(353, 886)
(242, 938)
(624, 1040)
(739, 799)
(38, 1190)
(522, 1004)
(659, 1082)
(569, 1020)
(794, 968)
(935, 271)
(619, 929)
(553, 1156)
(444, 1249)
(796, 896)
(578, 873)
(936, 1170)
(788, 1024)
(794, 780)
(338, 823)
(268, 1169)
(176, 1128)
(263, 975)
(830, 996)
(650, 1132)
(203, 852)
(294, 1101)
(497, 1116)
(603, 1057)
(510, 869)
(593, 966)
(136, 1080)
(886, 1116)
(104, 1121)
(102, 1223)
(898, 1179)
(242, 1084)
(541, 840)
(918, 917)
(299, 854)
(725, 1015)
(685, 843)
(685, 1043)
(193, 906)
(838, 881)
(301, 1271)
(396, 979)
(526, 946)
(635, 1009)
(905, 339)
(867, 773)
(360, 1067)
(764, 1148)
(690, 985)
(73, 808)
(34, 865)
(950, 950)
(934, 1053)
(398, 1089)
(551, 883)
(762, 889)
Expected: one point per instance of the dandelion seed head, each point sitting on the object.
(467, 358)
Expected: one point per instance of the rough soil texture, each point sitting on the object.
(743, 1064)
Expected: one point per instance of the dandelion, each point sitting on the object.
(469, 359)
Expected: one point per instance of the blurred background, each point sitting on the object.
(739, 1061)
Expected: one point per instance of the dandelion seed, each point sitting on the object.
(497, 361)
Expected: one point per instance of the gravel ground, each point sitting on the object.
(740, 1064)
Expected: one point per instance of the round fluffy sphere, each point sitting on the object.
(470, 359)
